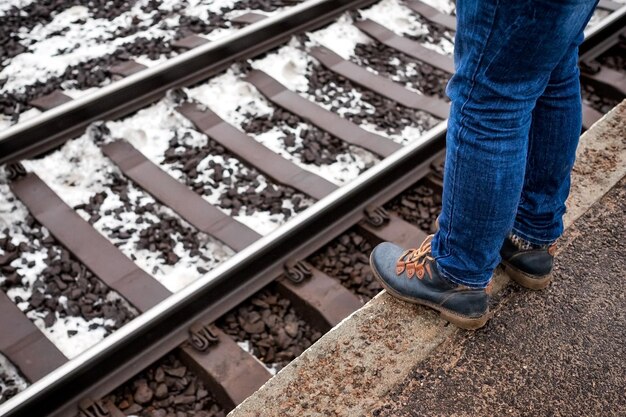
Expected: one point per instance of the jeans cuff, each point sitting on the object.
(471, 284)
(530, 239)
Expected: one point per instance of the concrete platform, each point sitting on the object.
(559, 352)
(394, 359)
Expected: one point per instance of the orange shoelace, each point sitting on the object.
(414, 260)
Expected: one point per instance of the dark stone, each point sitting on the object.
(161, 391)
(50, 319)
(133, 409)
(178, 372)
(143, 393)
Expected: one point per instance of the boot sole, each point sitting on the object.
(532, 282)
(464, 322)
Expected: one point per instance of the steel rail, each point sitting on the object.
(599, 37)
(162, 328)
(53, 127)
(165, 326)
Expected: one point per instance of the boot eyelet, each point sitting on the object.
(420, 271)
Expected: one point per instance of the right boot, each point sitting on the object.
(413, 275)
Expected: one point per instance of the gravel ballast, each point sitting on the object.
(419, 205)
(150, 234)
(70, 45)
(11, 381)
(241, 105)
(268, 327)
(166, 389)
(347, 259)
(72, 307)
(170, 141)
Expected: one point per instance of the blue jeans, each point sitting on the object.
(513, 130)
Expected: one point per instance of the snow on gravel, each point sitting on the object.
(13, 217)
(290, 64)
(341, 36)
(11, 381)
(74, 36)
(90, 172)
(231, 98)
(7, 4)
(396, 16)
(150, 130)
(70, 38)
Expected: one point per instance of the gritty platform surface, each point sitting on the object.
(355, 366)
(558, 352)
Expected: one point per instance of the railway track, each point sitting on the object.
(331, 151)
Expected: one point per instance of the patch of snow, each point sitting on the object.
(232, 99)
(74, 93)
(342, 37)
(61, 333)
(12, 212)
(202, 8)
(76, 171)
(90, 172)
(400, 19)
(395, 16)
(7, 4)
(11, 373)
(288, 65)
(150, 129)
(148, 62)
(13, 216)
(247, 346)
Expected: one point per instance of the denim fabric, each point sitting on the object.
(514, 125)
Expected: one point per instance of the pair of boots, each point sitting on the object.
(412, 275)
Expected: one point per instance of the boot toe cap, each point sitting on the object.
(383, 261)
(384, 258)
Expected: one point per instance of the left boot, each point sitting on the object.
(528, 265)
(413, 275)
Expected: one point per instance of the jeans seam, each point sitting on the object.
(463, 128)
(529, 164)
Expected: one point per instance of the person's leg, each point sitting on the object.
(527, 253)
(505, 55)
(553, 139)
